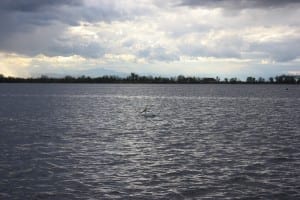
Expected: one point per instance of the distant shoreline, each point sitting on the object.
(137, 79)
(106, 83)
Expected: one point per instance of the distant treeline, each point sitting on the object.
(135, 78)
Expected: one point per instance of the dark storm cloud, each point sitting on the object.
(34, 5)
(237, 4)
(23, 24)
(32, 26)
(17, 15)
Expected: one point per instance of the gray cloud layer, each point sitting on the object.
(19, 19)
(34, 5)
(34, 27)
(238, 4)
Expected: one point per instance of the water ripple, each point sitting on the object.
(91, 142)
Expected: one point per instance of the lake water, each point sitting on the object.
(82, 141)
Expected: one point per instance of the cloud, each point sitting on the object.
(218, 44)
(138, 33)
(34, 5)
(19, 15)
(70, 12)
(28, 26)
(237, 4)
(281, 51)
(158, 54)
(35, 26)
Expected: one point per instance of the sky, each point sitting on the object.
(225, 38)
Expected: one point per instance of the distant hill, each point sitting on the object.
(93, 73)
(97, 72)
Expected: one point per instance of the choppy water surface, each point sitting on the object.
(205, 142)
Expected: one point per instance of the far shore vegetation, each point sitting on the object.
(135, 78)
